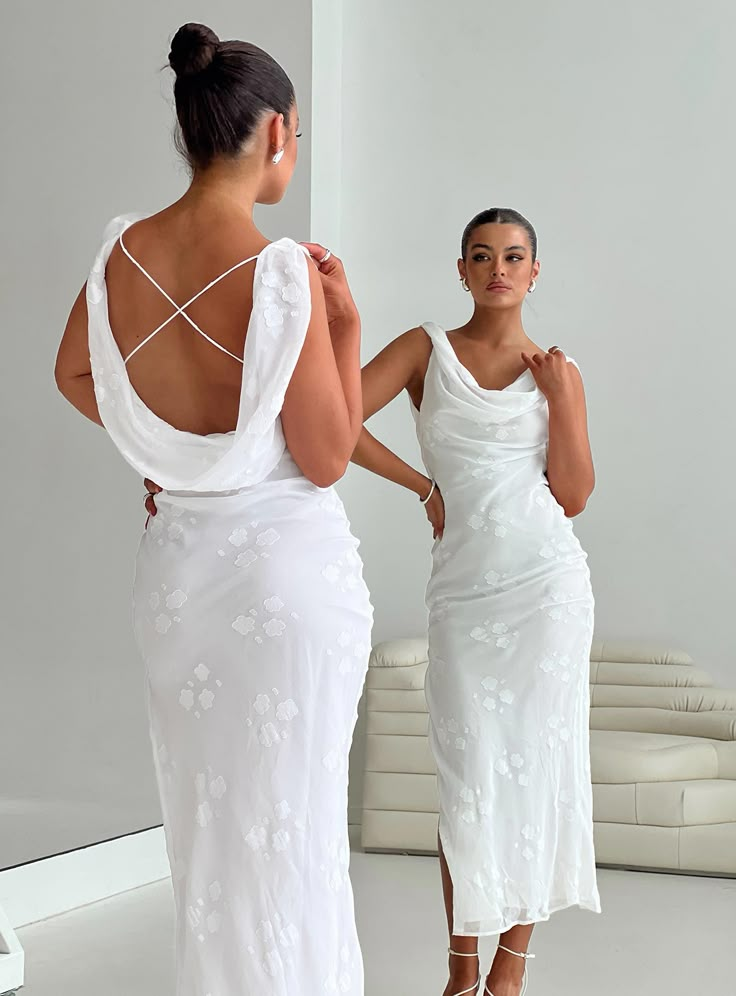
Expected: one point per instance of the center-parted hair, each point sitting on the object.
(222, 90)
(499, 216)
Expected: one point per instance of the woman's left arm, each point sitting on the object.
(569, 461)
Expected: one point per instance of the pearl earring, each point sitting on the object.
(278, 157)
(532, 286)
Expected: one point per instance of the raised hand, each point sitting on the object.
(338, 299)
(551, 371)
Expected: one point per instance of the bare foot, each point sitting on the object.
(506, 975)
(463, 977)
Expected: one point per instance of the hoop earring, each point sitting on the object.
(278, 157)
(532, 286)
(464, 282)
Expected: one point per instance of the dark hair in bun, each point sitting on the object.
(499, 216)
(193, 48)
(222, 90)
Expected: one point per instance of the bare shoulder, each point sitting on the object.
(419, 345)
(415, 345)
(408, 350)
(419, 337)
(400, 365)
(572, 365)
(575, 374)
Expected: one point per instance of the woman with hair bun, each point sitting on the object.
(226, 369)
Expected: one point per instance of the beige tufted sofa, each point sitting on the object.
(663, 758)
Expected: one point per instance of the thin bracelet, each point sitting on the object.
(431, 492)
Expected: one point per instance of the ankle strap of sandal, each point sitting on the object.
(519, 954)
(464, 954)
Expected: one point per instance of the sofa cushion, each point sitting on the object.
(407, 724)
(399, 653)
(637, 651)
(623, 757)
(664, 697)
(406, 676)
(684, 804)
(709, 849)
(412, 755)
(637, 673)
(396, 699)
(710, 725)
(397, 791)
(666, 804)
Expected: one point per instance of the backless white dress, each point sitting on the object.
(254, 624)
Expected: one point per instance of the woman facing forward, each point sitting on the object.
(243, 403)
(502, 428)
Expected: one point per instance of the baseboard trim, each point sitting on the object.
(63, 882)
(12, 957)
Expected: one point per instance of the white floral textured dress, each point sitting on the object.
(510, 629)
(254, 624)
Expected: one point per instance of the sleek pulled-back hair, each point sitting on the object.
(499, 216)
(222, 90)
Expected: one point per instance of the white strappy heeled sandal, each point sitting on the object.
(519, 954)
(467, 954)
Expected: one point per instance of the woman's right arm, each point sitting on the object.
(321, 414)
(400, 366)
(389, 373)
(73, 372)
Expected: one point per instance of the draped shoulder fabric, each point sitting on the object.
(184, 461)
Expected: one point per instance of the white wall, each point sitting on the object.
(87, 125)
(609, 126)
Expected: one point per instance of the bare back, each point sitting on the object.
(179, 374)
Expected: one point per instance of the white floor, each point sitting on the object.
(659, 935)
